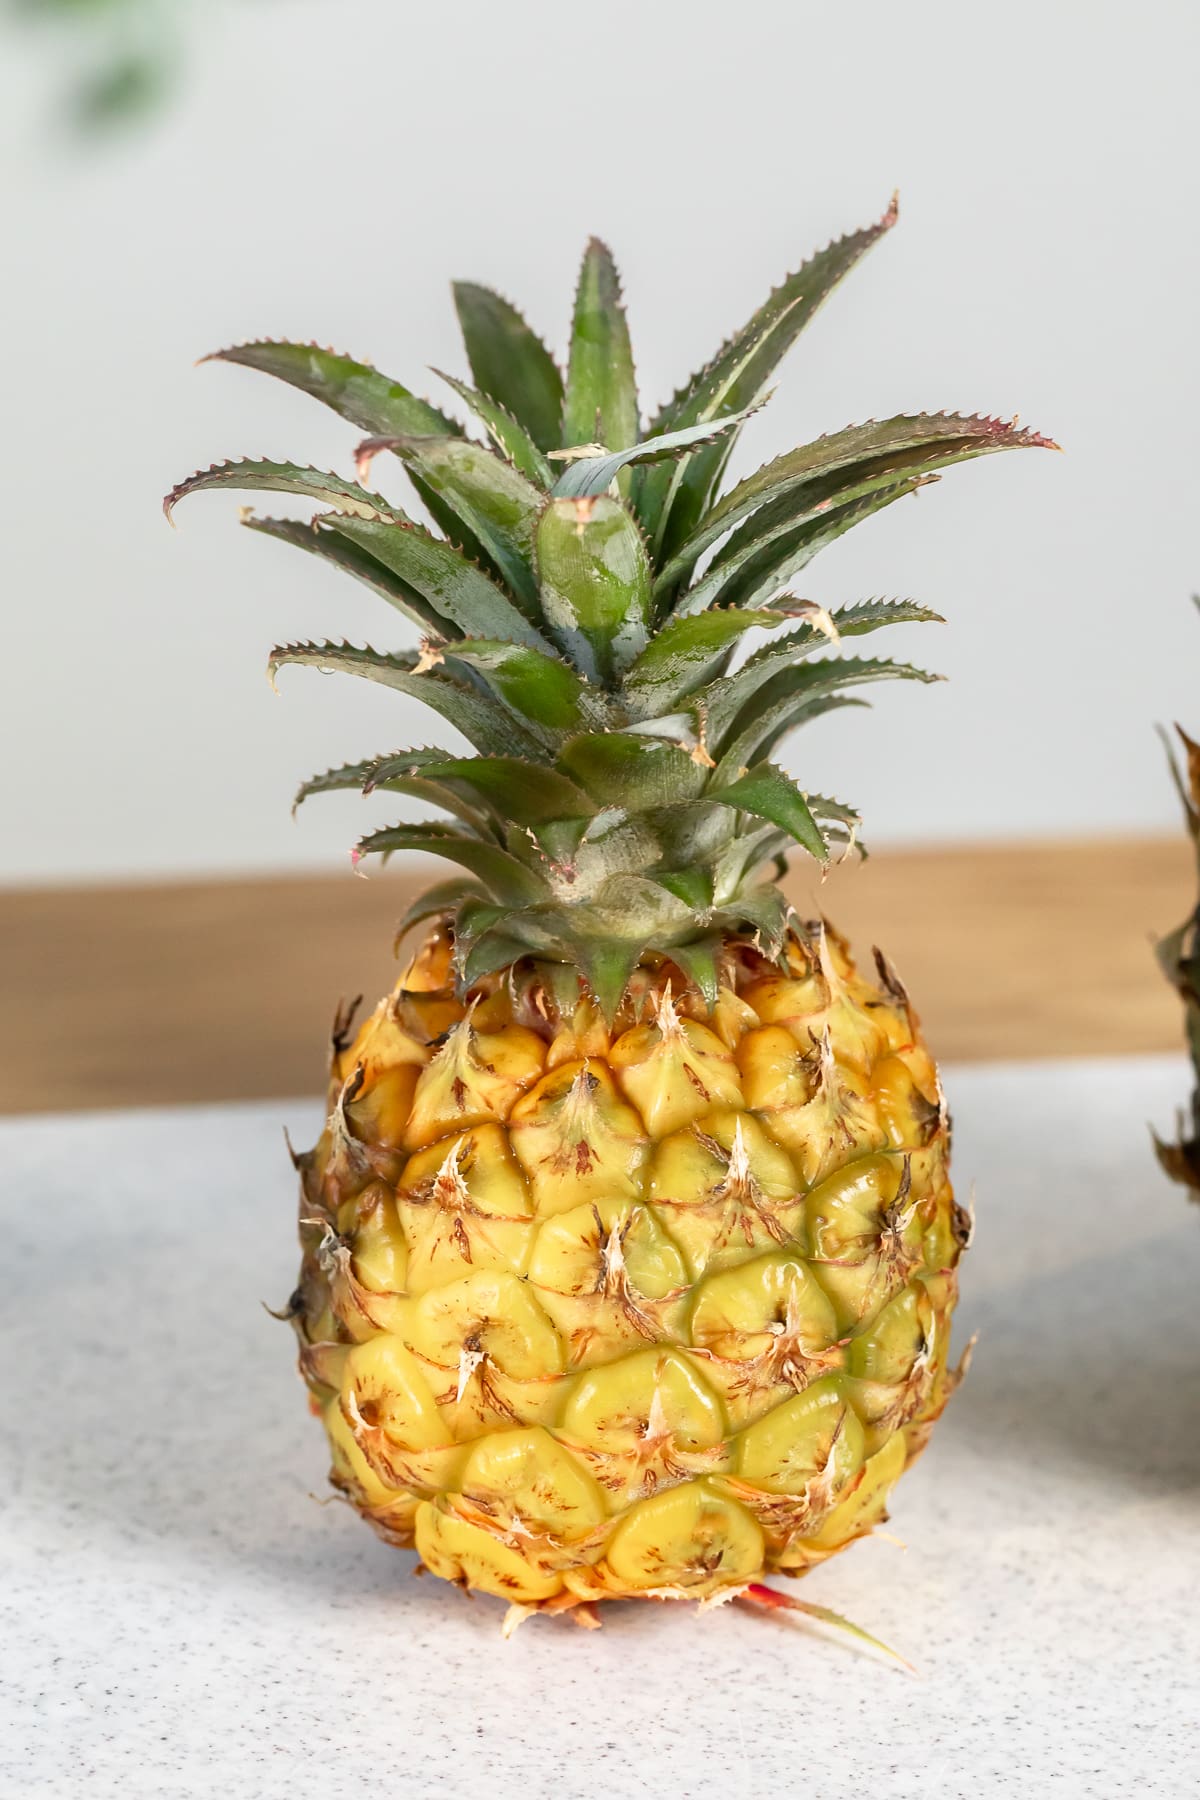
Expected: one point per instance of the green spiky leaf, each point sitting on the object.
(595, 584)
(789, 696)
(483, 721)
(540, 689)
(508, 434)
(594, 474)
(684, 654)
(601, 398)
(354, 390)
(361, 777)
(701, 960)
(528, 794)
(864, 616)
(839, 823)
(768, 793)
(758, 561)
(506, 878)
(444, 899)
(764, 909)
(359, 394)
(608, 967)
(636, 773)
(488, 952)
(835, 811)
(346, 778)
(747, 852)
(477, 917)
(453, 586)
(694, 886)
(482, 492)
(332, 547)
(725, 699)
(510, 363)
(862, 457)
(346, 497)
(671, 502)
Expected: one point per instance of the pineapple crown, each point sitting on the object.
(582, 619)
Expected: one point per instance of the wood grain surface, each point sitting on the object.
(218, 990)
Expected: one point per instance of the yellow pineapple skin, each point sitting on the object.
(652, 1310)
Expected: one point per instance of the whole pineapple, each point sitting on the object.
(629, 1247)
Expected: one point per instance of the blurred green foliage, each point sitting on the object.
(119, 58)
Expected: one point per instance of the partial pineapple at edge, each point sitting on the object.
(1179, 958)
(629, 1248)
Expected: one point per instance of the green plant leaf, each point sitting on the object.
(488, 952)
(789, 696)
(682, 835)
(671, 502)
(682, 656)
(767, 552)
(442, 899)
(332, 548)
(725, 699)
(594, 474)
(805, 710)
(505, 878)
(447, 797)
(346, 497)
(452, 585)
(509, 436)
(1183, 787)
(768, 793)
(631, 904)
(693, 886)
(359, 777)
(601, 398)
(483, 721)
(525, 793)
(607, 967)
(346, 778)
(540, 930)
(764, 909)
(476, 917)
(510, 363)
(837, 812)
(701, 960)
(354, 390)
(858, 619)
(494, 501)
(540, 689)
(840, 824)
(594, 580)
(862, 457)
(746, 851)
(619, 768)
(361, 395)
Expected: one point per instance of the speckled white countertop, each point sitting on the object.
(179, 1618)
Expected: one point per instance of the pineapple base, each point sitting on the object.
(651, 1310)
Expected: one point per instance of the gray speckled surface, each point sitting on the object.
(180, 1618)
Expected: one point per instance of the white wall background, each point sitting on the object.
(329, 166)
